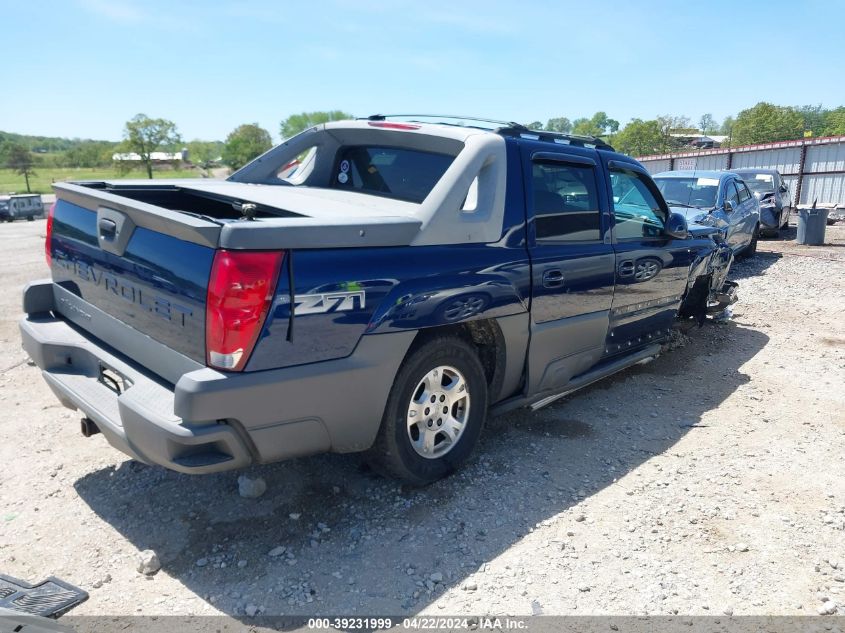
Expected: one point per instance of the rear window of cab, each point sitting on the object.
(401, 173)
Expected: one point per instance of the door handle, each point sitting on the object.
(626, 268)
(552, 278)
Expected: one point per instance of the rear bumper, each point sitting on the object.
(139, 421)
(212, 421)
(770, 217)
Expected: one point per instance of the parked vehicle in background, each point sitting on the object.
(769, 188)
(380, 295)
(14, 207)
(837, 214)
(715, 198)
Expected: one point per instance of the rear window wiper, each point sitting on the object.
(675, 203)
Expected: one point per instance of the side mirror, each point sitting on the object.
(677, 227)
(784, 188)
(729, 206)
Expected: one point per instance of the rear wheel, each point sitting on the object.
(434, 415)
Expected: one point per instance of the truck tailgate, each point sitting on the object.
(143, 252)
(152, 281)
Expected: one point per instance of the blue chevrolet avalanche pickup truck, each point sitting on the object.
(378, 285)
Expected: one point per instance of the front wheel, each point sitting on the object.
(434, 415)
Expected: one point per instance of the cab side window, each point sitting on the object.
(566, 202)
(731, 194)
(637, 211)
(742, 188)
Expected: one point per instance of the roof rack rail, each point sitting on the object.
(557, 137)
(450, 119)
(505, 128)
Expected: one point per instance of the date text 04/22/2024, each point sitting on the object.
(417, 623)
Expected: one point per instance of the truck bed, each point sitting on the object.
(207, 213)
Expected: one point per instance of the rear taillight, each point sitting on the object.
(48, 238)
(240, 292)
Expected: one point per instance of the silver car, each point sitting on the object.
(715, 198)
(768, 187)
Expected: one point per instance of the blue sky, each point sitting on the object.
(81, 68)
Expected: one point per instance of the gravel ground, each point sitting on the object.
(709, 481)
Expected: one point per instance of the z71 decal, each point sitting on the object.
(330, 302)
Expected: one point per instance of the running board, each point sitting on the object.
(586, 379)
(579, 382)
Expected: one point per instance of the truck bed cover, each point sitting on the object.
(323, 218)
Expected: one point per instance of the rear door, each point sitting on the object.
(651, 267)
(572, 263)
(748, 210)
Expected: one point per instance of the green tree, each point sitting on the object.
(88, 154)
(639, 138)
(611, 126)
(559, 124)
(296, 123)
(536, 125)
(20, 160)
(143, 136)
(815, 118)
(707, 124)
(584, 127)
(245, 143)
(597, 125)
(204, 154)
(834, 122)
(672, 125)
(765, 123)
(727, 126)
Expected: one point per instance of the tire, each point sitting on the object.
(29, 218)
(785, 224)
(751, 250)
(401, 443)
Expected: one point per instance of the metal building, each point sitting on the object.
(813, 168)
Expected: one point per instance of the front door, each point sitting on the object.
(651, 267)
(572, 265)
(748, 210)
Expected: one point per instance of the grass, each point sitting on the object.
(45, 176)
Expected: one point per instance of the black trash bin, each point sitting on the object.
(812, 222)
